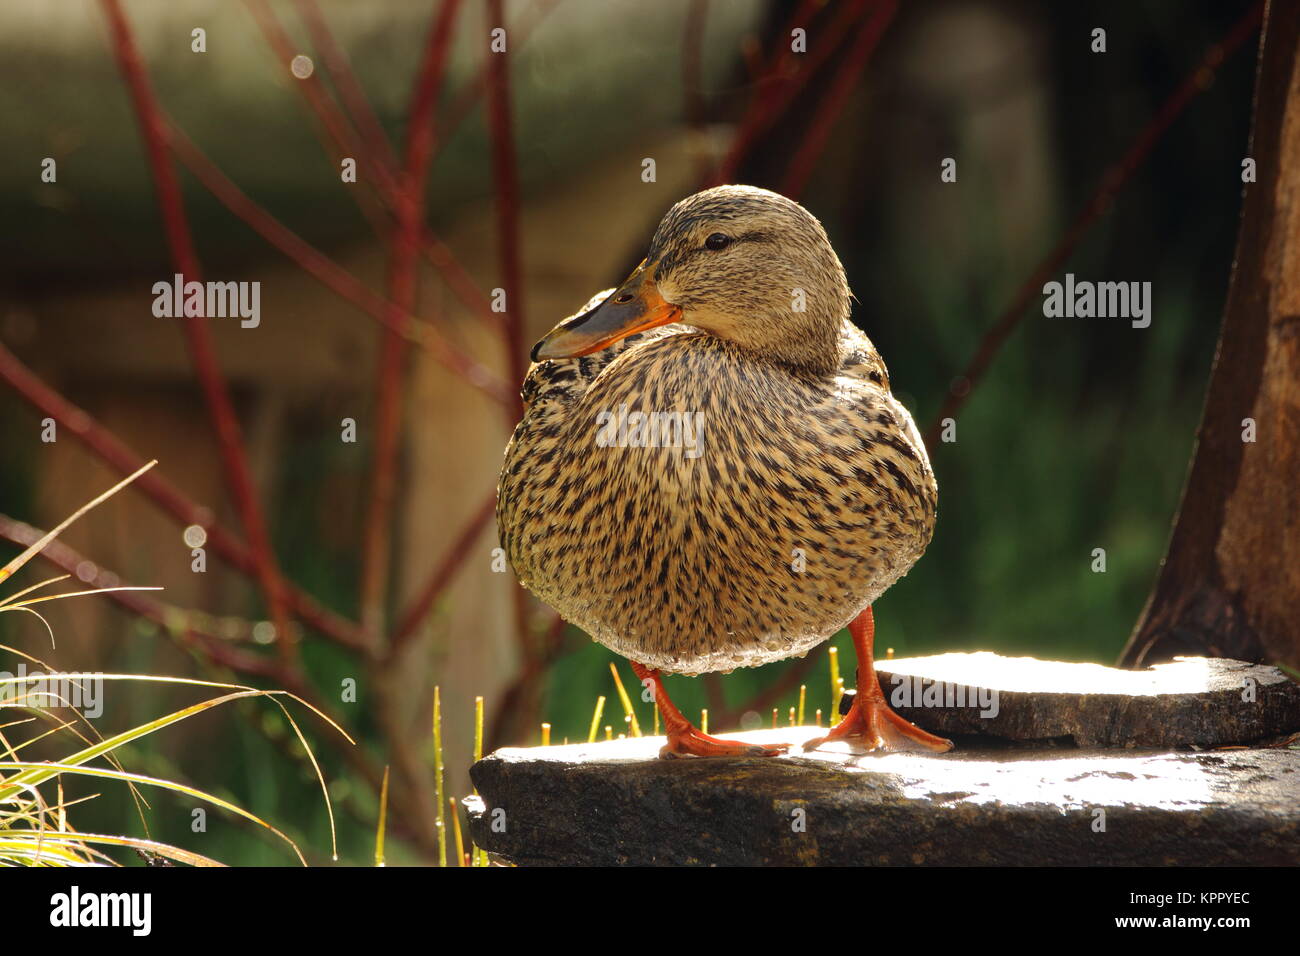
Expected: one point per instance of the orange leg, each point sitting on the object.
(870, 720)
(684, 739)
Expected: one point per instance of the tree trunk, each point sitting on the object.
(1229, 585)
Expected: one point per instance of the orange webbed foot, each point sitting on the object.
(694, 743)
(871, 724)
(684, 740)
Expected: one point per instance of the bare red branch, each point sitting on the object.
(785, 75)
(693, 67)
(790, 678)
(339, 69)
(335, 125)
(505, 177)
(331, 274)
(111, 450)
(402, 280)
(452, 561)
(179, 625)
(519, 700)
(199, 336)
(506, 186)
(832, 103)
(465, 100)
(332, 120)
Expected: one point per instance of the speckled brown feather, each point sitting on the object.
(688, 564)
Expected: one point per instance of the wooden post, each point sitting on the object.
(1230, 581)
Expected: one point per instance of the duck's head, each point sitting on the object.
(745, 264)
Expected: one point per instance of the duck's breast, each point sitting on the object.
(696, 510)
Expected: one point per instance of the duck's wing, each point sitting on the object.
(860, 358)
(565, 380)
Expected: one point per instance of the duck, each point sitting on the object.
(711, 470)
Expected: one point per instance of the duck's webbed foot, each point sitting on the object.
(685, 740)
(870, 723)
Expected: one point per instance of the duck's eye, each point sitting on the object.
(717, 241)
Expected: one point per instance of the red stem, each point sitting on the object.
(832, 103)
(505, 180)
(452, 561)
(464, 102)
(775, 91)
(331, 117)
(335, 126)
(692, 68)
(790, 678)
(333, 276)
(78, 423)
(340, 140)
(219, 651)
(521, 694)
(402, 280)
(341, 74)
(199, 336)
(458, 279)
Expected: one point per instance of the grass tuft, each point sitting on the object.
(37, 832)
(383, 820)
(626, 701)
(438, 773)
(595, 719)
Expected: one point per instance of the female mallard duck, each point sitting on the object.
(711, 471)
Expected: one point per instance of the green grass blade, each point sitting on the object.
(8, 570)
(59, 769)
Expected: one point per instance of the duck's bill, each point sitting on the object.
(633, 307)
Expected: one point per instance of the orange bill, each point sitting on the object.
(633, 307)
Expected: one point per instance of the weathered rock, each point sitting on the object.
(615, 803)
(1203, 702)
(982, 804)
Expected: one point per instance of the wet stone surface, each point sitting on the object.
(1197, 701)
(984, 803)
